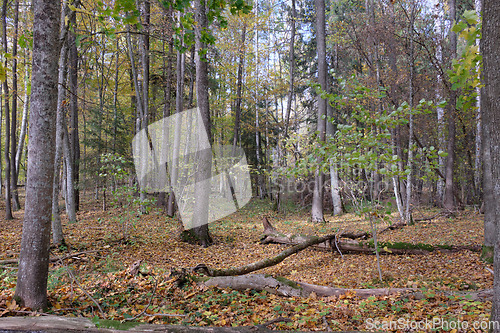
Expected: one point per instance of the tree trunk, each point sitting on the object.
(239, 90)
(70, 182)
(317, 203)
(57, 233)
(179, 98)
(440, 110)
(13, 129)
(449, 203)
(34, 256)
(202, 190)
(292, 68)
(491, 74)
(8, 197)
(144, 49)
(24, 121)
(74, 135)
(479, 134)
(409, 184)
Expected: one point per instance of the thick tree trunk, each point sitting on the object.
(491, 74)
(317, 202)
(34, 256)
(202, 190)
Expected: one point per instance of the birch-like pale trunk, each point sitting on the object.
(24, 121)
(479, 136)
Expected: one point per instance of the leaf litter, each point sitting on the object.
(123, 236)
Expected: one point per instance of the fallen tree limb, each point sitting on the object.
(284, 287)
(288, 288)
(268, 262)
(52, 259)
(347, 245)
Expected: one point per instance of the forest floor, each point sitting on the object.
(116, 238)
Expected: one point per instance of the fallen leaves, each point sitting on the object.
(155, 297)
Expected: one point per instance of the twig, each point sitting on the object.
(337, 246)
(274, 321)
(147, 306)
(328, 328)
(489, 270)
(80, 286)
(24, 311)
(165, 315)
(53, 259)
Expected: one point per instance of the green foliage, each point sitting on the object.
(466, 72)
(116, 324)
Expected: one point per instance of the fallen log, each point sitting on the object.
(264, 263)
(55, 324)
(287, 288)
(284, 287)
(352, 246)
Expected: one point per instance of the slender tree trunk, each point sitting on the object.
(74, 134)
(449, 203)
(317, 203)
(479, 136)
(409, 184)
(68, 158)
(239, 89)
(34, 256)
(179, 98)
(8, 198)
(24, 121)
(57, 233)
(491, 74)
(292, 68)
(13, 129)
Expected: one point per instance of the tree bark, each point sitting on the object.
(292, 68)
(202, 190)
(34, 256)
(8, 197)
(239, 90)
(491, 75)
(57, 233)
(179, 106)
(74, 135)
(317, 202)
(13, 129)
(24, 121)
(449, 203)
